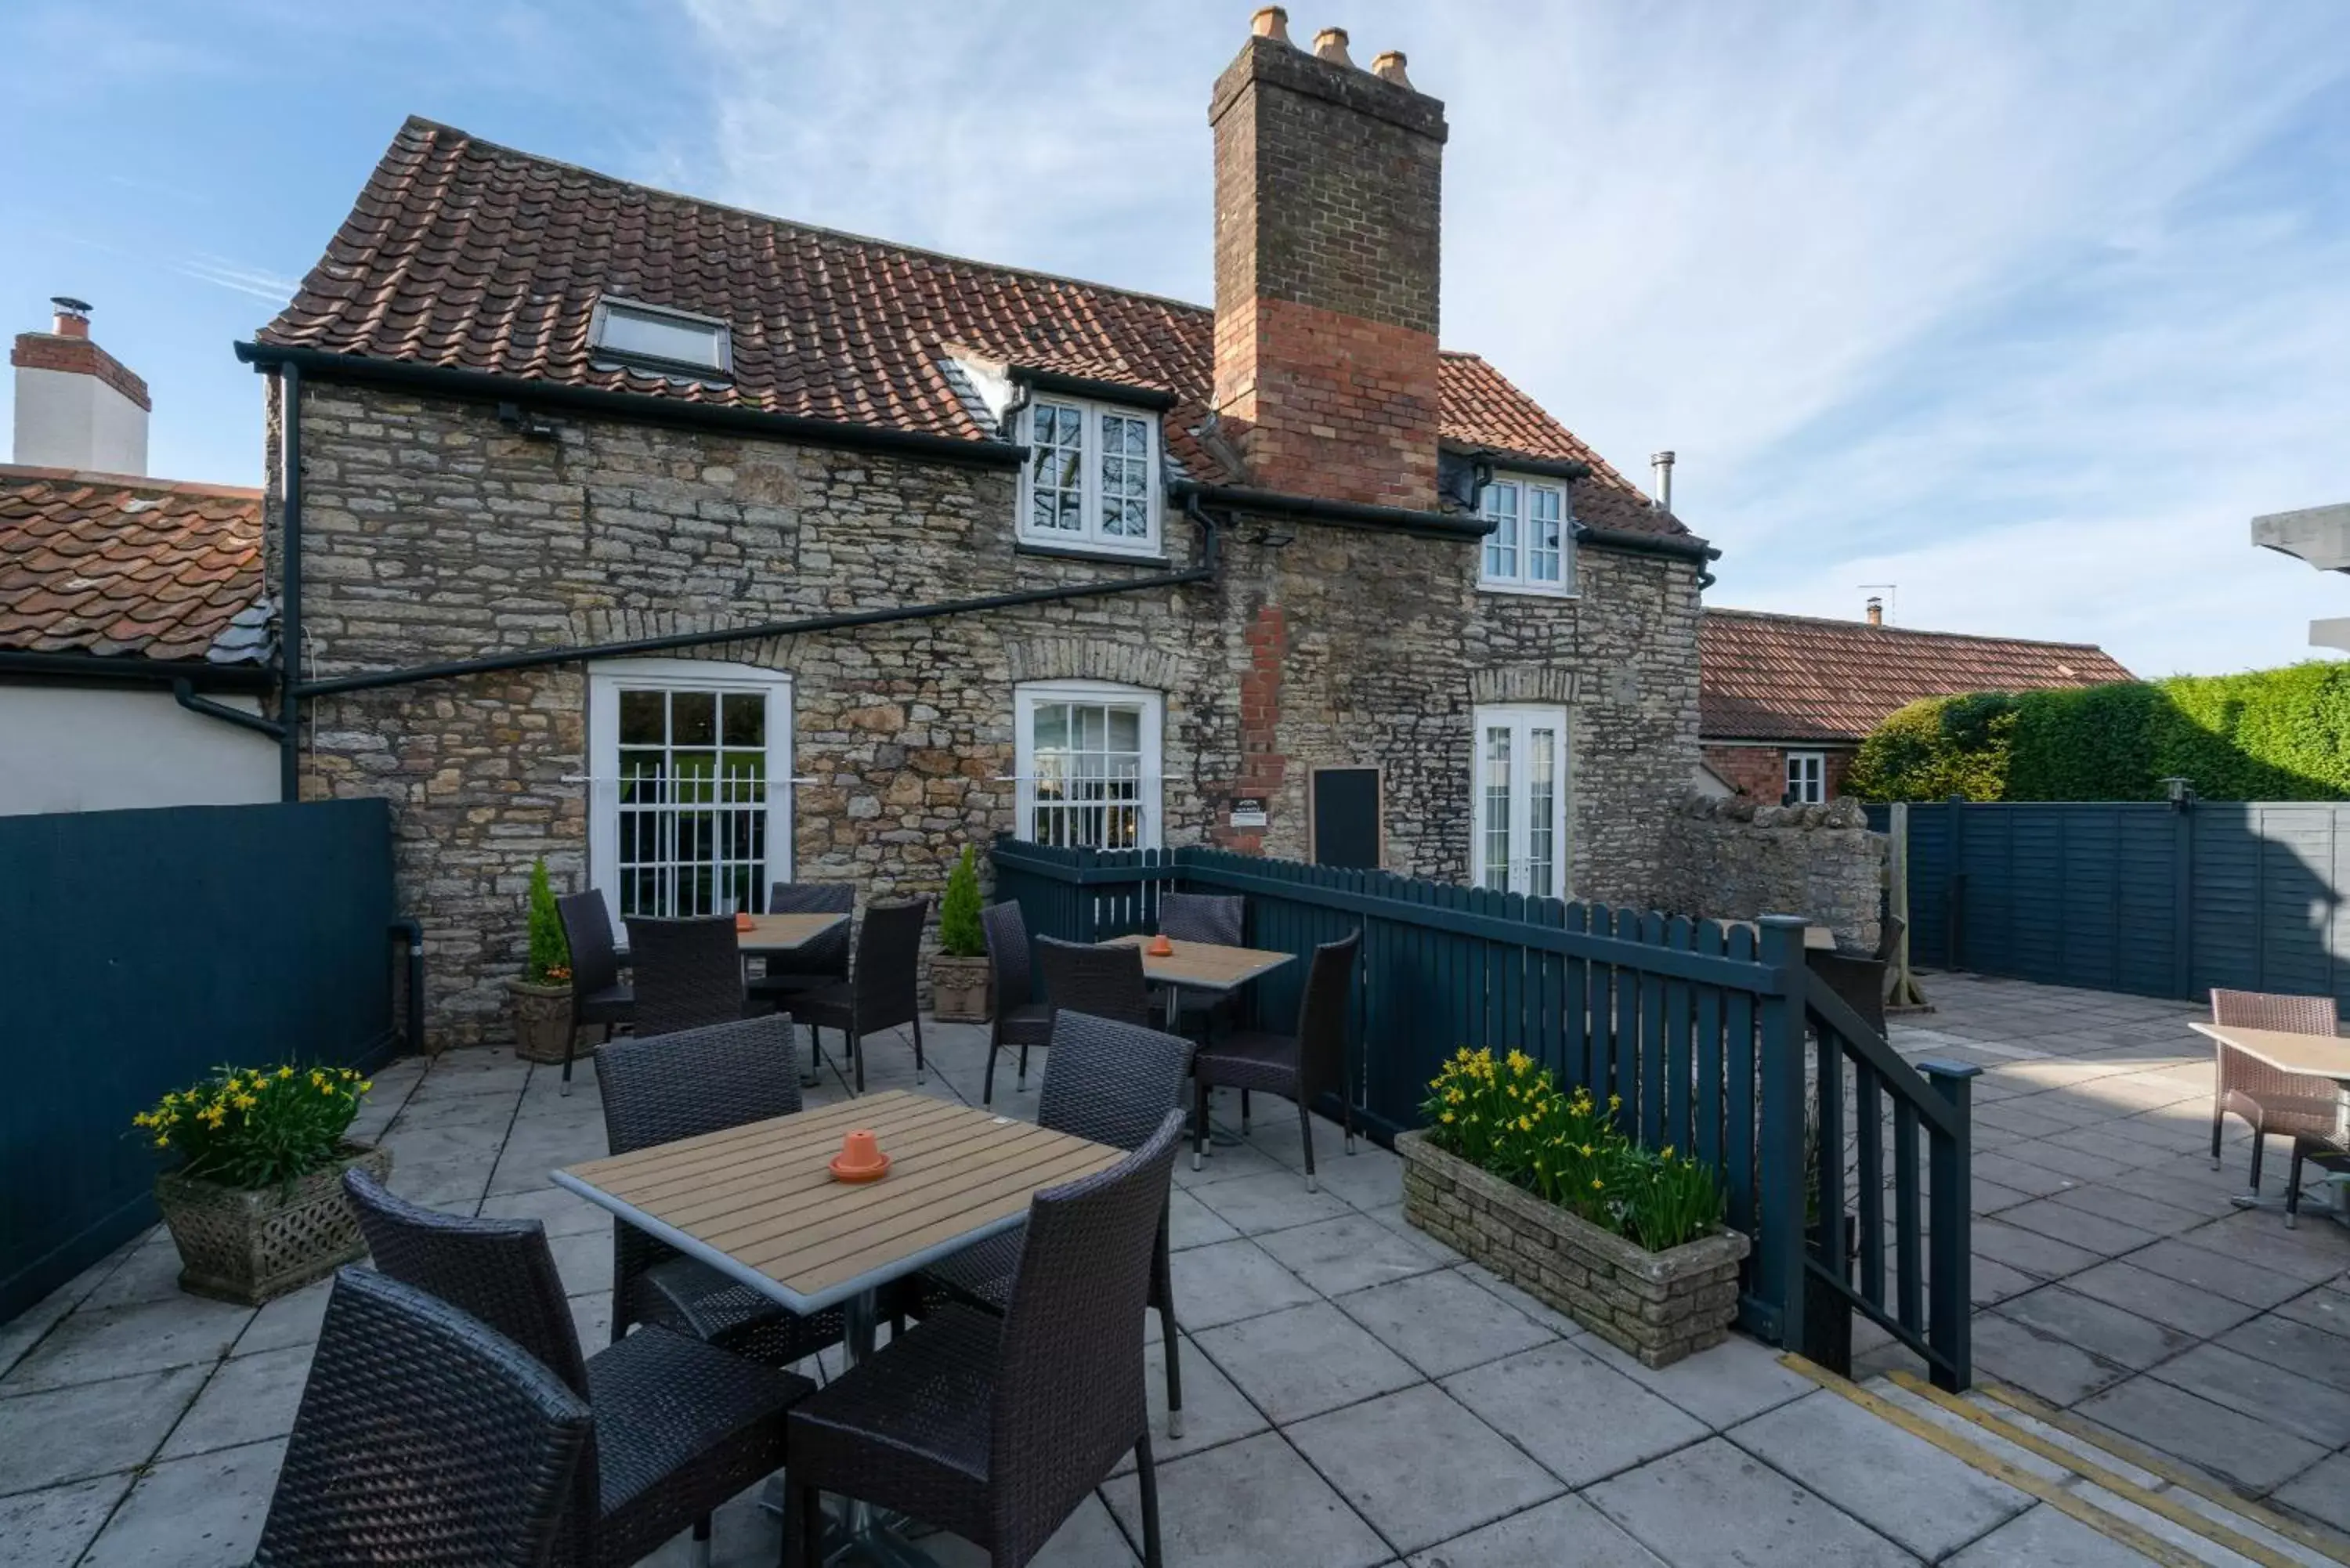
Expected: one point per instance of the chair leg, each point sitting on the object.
(811, 1513)
(570, 1044)
(1164, 1287)
(1306, 1129)
(1146, 1474)
(1347, 1120)
(987, 1084)
(921, 1073)
(2293, 1190)
(701, 1541)
(854, 1043)
(2218, 1116)
(2260, 1147)
(1024, 1069)
(1199, 1119)
(1244, 1114)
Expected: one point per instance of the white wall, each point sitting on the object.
(67, 420)
(77, 747)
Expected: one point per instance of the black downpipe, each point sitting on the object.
(184, 690)
(290, 598)
(410, 926)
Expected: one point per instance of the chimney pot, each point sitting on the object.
(1271, 22)
(1876, 610)
(1662, 462)
(1330, 44)
(1389, 67)
(72, 316)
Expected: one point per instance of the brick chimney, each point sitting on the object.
(1329, 197)
(78, 406)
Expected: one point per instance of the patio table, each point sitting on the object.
(757, 1203)
(1201, 966)
(784, 933)
(2318, 1056)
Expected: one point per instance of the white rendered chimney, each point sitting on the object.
(78, 406)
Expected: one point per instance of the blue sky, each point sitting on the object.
(2026, 308)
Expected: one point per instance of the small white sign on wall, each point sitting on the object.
(1248, 811)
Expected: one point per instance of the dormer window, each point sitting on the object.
(1531, 549)
(1092, 479)
(656, 338)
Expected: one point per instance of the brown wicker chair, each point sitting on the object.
(424, 1437)
(1298, 1068)
(688, 972)
(598, 994)
(680, 1426)
(822, 963)
(996, 1428)
(670, 1086)
(1106, 981)
(2299, 1105)
(1020, 1019)
(1112, 1082)
(1200, 918)
(881, 990)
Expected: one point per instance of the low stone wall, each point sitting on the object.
(1731, 859)
(1659, 1306)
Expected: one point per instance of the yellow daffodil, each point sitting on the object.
(244, 1102)
(284, 1071)
(366, 1084)
(1447, 1117)
(162, 1141)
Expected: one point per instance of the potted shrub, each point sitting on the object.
(959, 969)
(255, 1203)
(1540, 1186)
(542, 996)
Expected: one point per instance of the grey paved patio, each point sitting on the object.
(1356, 1394)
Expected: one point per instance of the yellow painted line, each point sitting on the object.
(2121, 1486)
(2113, 1527)
(2330, 1547)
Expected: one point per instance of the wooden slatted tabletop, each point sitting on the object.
(759, 1202)
(2321, 1056)
(1203, 966)
(785, 933)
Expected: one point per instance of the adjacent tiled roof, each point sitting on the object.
(463, 254)
(1795, 678)
(110, 563)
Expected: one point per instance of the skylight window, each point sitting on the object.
(659, 339)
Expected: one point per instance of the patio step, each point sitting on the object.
(2154, 1505)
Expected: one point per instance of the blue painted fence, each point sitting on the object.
(1702, 1029)
(2135, 895)
(143, 947)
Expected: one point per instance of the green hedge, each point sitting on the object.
(2272, 734)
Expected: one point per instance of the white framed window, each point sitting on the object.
(1532, 546)
(1088, 764)
(659, 338)
(1807, 778)
(690, 768)
(1092, 479)
(1518, 809)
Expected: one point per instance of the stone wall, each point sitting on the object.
(1732, 859)
(433, 532)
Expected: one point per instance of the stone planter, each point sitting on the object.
(1659, 1306)
(542, 1020)
(248, 1244)
(959, 989)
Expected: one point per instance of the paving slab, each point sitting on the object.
(1420, 1467)
(2045, 1537)
(1192, 1223)
(1276, 1201)
(1542, 1313)
(2182, 1260)
(115, 1342)
(2191, 1310)
(2321, 1491)
(2058, 1155)
(288, 1321)
(2327, 1308)
(204, 1511)
(2021, 1175)
(2298, 1347)
(1566, 1532)
(151, 1273)
(1614, 1423)
(1231, 1280)
(250, 1399)
(2314, 1254)
(2278, 1398)
(1353, 1252)
(1443, 1323)
(1247, 1504)
(2037, 1362)
(2247, 1453)
(71, 1433)
(1896, 1483)
(1214, 1411)
(1734, 1381)
(2093, 1233)
(2043, 1256)
(563, 1213)
(1713, 1504)
(42, 1529)
(1228, 1164)
(2098, 1326)
(1299, 1363)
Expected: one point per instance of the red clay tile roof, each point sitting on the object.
(466, 254)
(1795, 678)
(110, 564)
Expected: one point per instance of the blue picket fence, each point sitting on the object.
(2135, 895)
(1698, 1027)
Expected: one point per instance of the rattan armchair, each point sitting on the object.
(996, 1428)
(1112, 1082)
(1221, 919)
(1105, 981)
(668, 1086)
(680, 1426)
(598, 997)
(1020, 1019)
(1298, 1068)
(2300, 1105)
(821, 963)
(688, 973)
(882, 989)
(424, 1437)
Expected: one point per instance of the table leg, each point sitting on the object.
(859, 1533)
(1218, 1137)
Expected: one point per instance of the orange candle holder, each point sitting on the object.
(860, 1157)
(1161, 947)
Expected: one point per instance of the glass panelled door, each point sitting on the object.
(1520, 842)
(689, 790)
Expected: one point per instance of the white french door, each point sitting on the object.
(1519, 783)
(689, 785)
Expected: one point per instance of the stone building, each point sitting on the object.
(694, 549)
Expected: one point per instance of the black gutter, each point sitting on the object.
(570, 654)
(184, 693)
(1341, 513)
(641, 408)
(129, 670)
(289, 599)
(1101, 391)
(1680, 546)
(1540, 467)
